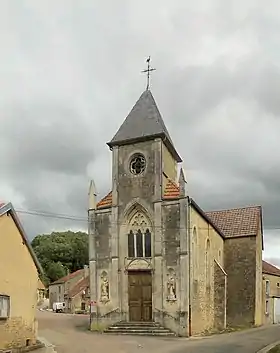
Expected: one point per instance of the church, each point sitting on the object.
(155, 256)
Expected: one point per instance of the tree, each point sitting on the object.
(61, 252)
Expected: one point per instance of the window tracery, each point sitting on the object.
(139, 237)
(137, 164)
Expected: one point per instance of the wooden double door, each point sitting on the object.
(140, 295)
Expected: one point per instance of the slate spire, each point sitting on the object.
(143, 123)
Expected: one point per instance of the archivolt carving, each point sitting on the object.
(133, 206)
(139, 264)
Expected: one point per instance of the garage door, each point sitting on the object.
(277, 310)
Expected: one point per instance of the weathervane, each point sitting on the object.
(148, 70)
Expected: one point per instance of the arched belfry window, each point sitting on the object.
(139, 237)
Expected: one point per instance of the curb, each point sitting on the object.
(269, 347)
(45, 343)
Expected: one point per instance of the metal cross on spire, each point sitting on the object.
(148, 70)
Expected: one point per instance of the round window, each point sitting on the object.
(137, 164)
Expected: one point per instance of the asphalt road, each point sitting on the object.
(68, 334)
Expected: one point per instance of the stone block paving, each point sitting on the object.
(69, 335)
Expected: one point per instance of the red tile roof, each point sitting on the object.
(83, 284)
(171, 190)
(106, 201)
(270, 269)
(237, 221)
(67, 277)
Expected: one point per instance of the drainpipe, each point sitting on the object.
(189, 251)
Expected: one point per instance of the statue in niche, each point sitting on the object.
(104, 287)
(171, 287)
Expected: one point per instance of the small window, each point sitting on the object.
(4, 306)
(139, 244)
(137, 164)
(131, 244)
(266, 307)
(278, 284)
(148, 243)
(267, 287)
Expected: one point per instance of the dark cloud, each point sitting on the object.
(70, 73)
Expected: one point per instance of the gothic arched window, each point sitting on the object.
(208, 264)
(195, 253)
(139, 237)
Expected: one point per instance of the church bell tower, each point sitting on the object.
(136, 253)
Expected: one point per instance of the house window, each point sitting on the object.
(139, 243)
(59, 289)
(4, 306)
(267, 287)
(278, 284)
(266, 307)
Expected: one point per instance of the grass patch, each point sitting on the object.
(97, 327)
(275, 349)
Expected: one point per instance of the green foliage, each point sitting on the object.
(61, 252)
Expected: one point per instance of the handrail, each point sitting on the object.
(167, 314)
(110, 312)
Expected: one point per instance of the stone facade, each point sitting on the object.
(78, 298)
(59, 290)
(271, 294)
(154, 253)
(20, 271)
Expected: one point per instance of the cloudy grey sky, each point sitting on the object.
(70, 73)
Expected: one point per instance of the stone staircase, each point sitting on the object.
(139, 328)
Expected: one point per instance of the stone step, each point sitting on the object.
(138, 328)
(147, 333)
(135, 323)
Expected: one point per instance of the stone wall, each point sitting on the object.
(240, 266)
(16, 333)
(100, 267)
(219, 297)
(171, 263)
(207, 247)
(140, 186)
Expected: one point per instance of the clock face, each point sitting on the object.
(137, 164)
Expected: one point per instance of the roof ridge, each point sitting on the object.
(66, 277)
(235, 208)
